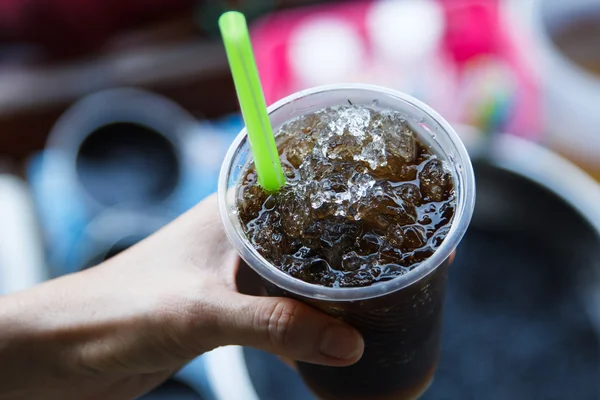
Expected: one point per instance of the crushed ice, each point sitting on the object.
(350, 133)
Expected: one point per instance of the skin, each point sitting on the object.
(117, 330)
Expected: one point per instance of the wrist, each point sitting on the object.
(31, 361)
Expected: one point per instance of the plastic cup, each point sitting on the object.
(400, 319)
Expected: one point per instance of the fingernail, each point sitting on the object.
(342, 342)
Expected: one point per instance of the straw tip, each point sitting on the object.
(232, 21)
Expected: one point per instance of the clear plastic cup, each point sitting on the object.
(400, 319)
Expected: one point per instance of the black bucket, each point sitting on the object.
(523, 303)
(520, 316)
(122, 148)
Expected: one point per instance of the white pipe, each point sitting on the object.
(21, 250)
(228, 374)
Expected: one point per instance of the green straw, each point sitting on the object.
(252, 100)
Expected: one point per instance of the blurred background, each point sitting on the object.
(115, 117)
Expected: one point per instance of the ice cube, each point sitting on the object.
(267, 238)
(435, 180)
(306, 125)
(336, 236)
(339, 232)
(407, 172)
(369, 243)
(342, 147)
(293, 265)
(317, 200)
(312, 270)
(350, 120)
(303, 252)
(251, 198)
(351, 261)
(298, 151)
(294, 211)
(294, 148)
(415, 236)
(373, 152)
(388, 255)
(399, 138)
(359, 185)
(395, 236)
(384, 205)
(290, 171)
(408, 192)
(374, 206)
(402, 144)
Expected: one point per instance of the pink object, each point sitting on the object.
(473, 29)
(271, 38)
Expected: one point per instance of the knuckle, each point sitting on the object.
(279, 320)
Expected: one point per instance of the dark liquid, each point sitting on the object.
(402, 333)
(365, 202)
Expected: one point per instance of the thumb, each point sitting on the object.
(290, 329)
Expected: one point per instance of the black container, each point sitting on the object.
(122, 148)
(522, 313)
(115, 151)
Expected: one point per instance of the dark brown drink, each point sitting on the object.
(365, 202)
(402, 333)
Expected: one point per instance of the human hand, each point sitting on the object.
(121, 328)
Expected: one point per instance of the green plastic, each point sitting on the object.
(234, 31)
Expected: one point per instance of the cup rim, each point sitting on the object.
(464, 210)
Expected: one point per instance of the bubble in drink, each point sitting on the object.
(366, 201)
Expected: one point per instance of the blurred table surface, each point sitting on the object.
(169, 59)
(172, 57)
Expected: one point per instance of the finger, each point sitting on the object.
(288, 328)
(452, 256)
